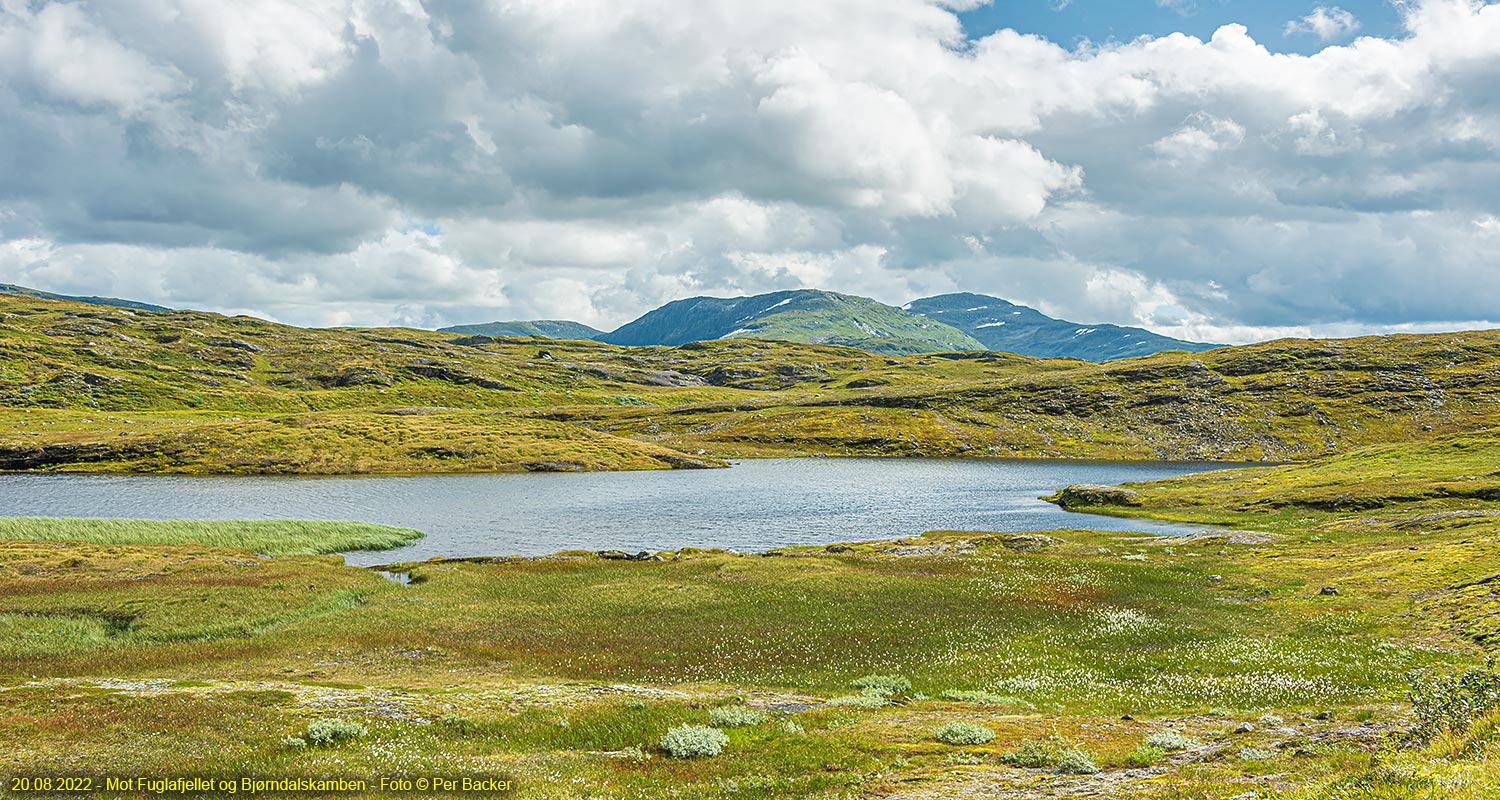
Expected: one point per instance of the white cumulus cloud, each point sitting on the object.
(1326, 23)
(439, 161)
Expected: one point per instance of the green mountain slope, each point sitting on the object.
(805, 315)
(549, 328)
(22, 291)
(1002, 325)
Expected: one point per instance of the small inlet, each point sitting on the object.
(403, 578)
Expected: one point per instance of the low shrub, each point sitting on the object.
(1033, 753)
(964, 733)
(734, 717)
(1171, 740)
(333, 731)
(1451, 703)
(1256, 753)
(635, 753)
(1055, 753)
(889, 684)
(694, 741)
(1076, 761)
(1271, 720)
(1145, 756)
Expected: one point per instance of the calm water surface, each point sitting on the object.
(755, 505)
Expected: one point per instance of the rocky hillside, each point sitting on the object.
(1002, 325)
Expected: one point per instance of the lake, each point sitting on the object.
(756, 505)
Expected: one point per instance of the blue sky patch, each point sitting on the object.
(1068, 22)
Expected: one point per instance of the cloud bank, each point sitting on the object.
(396, 161)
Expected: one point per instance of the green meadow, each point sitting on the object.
(1273, 655)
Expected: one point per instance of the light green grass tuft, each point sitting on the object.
(274, 537)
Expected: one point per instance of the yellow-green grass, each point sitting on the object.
(1406, 488)
(399, 440)
(565, 672)
(272, 537)
(505, 666)
(83, 387)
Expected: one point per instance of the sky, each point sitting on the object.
(1219, 170)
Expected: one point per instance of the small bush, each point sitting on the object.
(964, 733)
(1055, 753)
(1033, 753)
(1171, 740)
(981, 697)
(294, 741)
(694, 741)
(1076, 761)
(1145, 756)
(1271, 720)
(636, 754)
(332, 731)
(791, 726)
(889, 684)
(1451, 703)
(734, 717)
(1256, 753)
(963, 759)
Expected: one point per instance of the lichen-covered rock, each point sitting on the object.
(1085, 495)
(1026, 542)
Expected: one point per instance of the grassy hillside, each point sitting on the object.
(12, 289)
(1275, 401)
(86, 387)
(796, 316)
(1297, 663)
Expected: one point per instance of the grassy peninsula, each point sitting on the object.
(271, 537)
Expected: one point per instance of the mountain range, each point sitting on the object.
(945, 323)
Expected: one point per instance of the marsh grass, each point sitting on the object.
(523, 664)
(273, 537)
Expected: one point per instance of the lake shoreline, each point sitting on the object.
(761, 504)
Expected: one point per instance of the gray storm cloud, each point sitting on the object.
(383, 161)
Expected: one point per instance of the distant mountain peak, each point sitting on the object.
(549, 328)
(1002, 325)
(801, 315)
